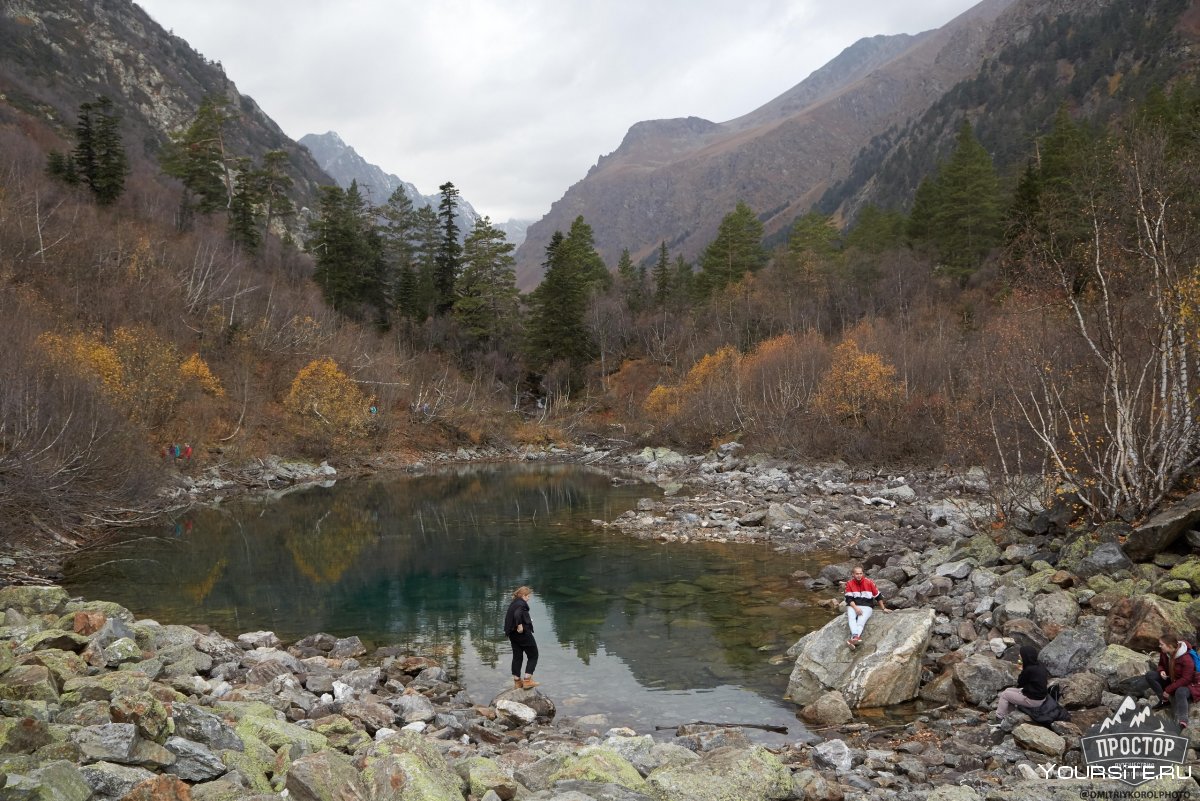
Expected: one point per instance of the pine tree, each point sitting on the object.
(487, 298)
(876, 231)
(450, 251)
(736, 250)
(557, 330)
(662, 276)
(98, 160)
(243, 218)
(398, 232)
(427, 238)
(630, 279)
(272, 185)
(580, 245)
(683, 282)
(197, 156)
(107, 179)
(348, 253)
(967, 217)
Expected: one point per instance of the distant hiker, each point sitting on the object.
(519, 628)
(1176, 679)
(861, 598)
(187, 451)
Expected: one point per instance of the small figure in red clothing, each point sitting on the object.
(862, 596)
(187, 451)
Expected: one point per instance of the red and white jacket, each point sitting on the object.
(862, 592)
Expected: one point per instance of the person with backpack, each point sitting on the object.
(1032, 685)
(1176, 681)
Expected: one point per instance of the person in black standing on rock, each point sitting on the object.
(519, 628)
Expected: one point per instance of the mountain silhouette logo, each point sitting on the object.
(1134, 746)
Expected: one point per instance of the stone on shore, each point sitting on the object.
(729, 774)
(884, 670)
(1161, 530)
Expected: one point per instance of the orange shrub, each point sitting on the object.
(858, 387)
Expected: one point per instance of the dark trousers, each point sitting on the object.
(523, 647)
(1180, 698)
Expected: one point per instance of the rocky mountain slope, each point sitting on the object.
(56, 54)
(676, 179)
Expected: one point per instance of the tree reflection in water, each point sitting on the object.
(429, 562)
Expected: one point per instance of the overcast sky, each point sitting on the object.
(513, 100)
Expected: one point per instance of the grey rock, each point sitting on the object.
(110, 782)
(202, 726)
(109, 742)
(1073, 649)
(193, 761)
(833, 754)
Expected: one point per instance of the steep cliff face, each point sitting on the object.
(56, 54)
(674, 180)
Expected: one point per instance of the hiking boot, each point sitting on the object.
(517, 683)
(528, 683)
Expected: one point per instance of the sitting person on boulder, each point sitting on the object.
(861, 597)
(1176, 679)
(1032, 685)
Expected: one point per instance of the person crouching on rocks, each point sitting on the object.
(1032, 685)
(1176, 679)
(519, 628)
(861, 598)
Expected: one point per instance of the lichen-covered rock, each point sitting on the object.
(730, 774)
(34, 600)
(202, 726)
(254, 764)
(599, 764)
(1138, 622)
(277, 734)
(28, 683)
(1120, 667)
(111, 781)
(324, 776)
(142, 710)
(409, 762)
(482, 774)
(23, 735)
(160, 788)
(103, 687)
(54, 781)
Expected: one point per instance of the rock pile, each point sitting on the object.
(95, 704)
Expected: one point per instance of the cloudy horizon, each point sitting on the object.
(514, 104)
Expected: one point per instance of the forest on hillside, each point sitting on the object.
(1041, 321)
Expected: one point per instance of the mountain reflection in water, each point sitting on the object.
(644, 632)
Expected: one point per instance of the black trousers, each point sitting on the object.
(523, 647)
(1180, 699)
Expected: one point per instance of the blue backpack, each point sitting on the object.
(1195, 659)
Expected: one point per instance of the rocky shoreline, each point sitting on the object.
(96, 704)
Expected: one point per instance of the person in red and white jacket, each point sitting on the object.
(862, 596)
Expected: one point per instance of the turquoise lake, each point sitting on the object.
(645, 633)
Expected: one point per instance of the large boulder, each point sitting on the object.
(728, 774)
(1075, 648)
(1084, 555)
(1163, 529)
(1055, 612)
(980, 677)
(410, 761)
(599, 764)
(1138, 622)
(324, 776)
(34, 600)
(1121, 668)
(884, 670)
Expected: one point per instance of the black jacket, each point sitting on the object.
(518, 612)
(1034, 678)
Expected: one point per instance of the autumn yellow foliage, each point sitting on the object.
(323, 396)
(151, 370)
(86, 356)
(195, 369)
(662, 401)
(857, 386)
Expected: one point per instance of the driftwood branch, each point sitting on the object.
(763, 726)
